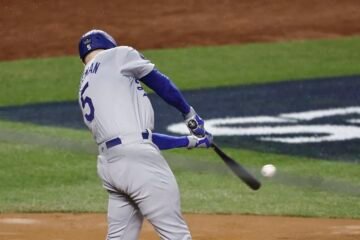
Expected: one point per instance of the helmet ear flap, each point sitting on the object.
(95, 39)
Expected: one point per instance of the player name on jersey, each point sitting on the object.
(93, 68)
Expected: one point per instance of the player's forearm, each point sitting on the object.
(166, 89)
(164, 142)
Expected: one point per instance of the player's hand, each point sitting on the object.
(200, 142)
(195, 123)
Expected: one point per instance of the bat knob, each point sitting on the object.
(192, 124)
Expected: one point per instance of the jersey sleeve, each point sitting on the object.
(136, 65)
(167, 90)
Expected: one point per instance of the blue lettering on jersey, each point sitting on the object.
(140, 88)
(93, 68)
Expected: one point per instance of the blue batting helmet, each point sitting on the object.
(95, 39)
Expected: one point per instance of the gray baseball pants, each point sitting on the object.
(140, 184)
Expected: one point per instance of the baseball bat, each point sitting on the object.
(239, 170)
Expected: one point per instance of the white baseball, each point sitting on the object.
(268, 170)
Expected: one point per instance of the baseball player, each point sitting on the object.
(119, 114)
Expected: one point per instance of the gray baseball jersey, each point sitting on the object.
(112, 99)
(135, 174)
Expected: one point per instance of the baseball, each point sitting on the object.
(268, 170)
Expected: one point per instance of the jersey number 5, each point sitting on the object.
(87, 101)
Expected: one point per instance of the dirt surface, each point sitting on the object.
(52, 28)
(47, 28)
(203, 227)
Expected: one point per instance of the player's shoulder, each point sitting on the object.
(119, 54)
(131, 53)
(123, 50)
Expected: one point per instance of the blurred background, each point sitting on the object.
(38, 28)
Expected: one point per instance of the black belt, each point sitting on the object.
(117, 141)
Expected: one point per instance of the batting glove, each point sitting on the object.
(203, 142)
(195, 123)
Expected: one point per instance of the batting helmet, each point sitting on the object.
(95, 39)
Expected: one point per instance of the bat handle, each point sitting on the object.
(214, 145)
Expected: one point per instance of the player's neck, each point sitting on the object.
(91, 55)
